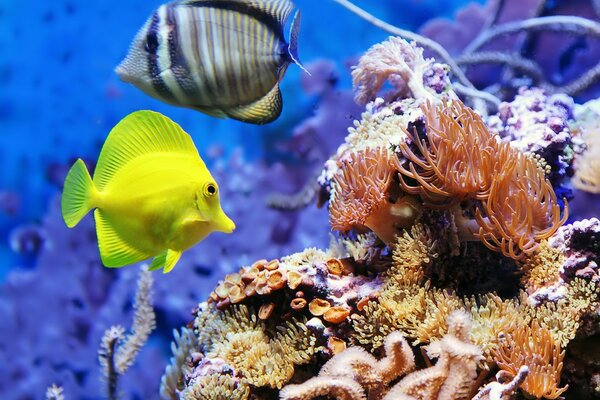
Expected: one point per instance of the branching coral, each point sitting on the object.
(535, 348)
(513, 203)
(118, 352)
(359, 196)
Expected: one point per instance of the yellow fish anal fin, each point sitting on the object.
(114, 250)
(165, 260)
(264, 110)
(280, 10)
(138, 134)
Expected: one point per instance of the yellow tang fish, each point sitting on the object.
(153, 195)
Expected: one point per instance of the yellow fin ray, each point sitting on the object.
(165, 260)
(138, 134)
(77, 195)
(264, 110)
(114, 250)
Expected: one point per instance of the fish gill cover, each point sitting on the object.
(412, 292)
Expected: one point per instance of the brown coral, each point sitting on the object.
(536, 348)
(359, 196)
(513, 203)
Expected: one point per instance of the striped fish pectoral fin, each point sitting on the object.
(279, 10)
(264, 110)
(165, 260)
(115, 252)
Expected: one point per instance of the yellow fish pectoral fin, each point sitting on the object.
(264, 110)
(165, 260)
(114, 250)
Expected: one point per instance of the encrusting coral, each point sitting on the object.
(450, 275)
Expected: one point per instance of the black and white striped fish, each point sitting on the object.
(222, 57)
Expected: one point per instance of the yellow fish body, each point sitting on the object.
(153, 195)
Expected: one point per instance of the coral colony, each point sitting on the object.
(453, 271)
(452, 276)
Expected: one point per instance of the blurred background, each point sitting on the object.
(59, 98)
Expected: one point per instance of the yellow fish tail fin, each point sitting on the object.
(114, 250)
(142, 133)
(166, 260)
(78, 194)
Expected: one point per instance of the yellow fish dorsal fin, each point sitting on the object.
(165, 260)
(138, 134)
(280, 10)
(264, 110)
(114, 250)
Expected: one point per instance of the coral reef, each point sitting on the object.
(451, 259)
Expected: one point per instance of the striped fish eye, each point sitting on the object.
(151, 44)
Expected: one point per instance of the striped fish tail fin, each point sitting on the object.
(78, 194)
(293, 46)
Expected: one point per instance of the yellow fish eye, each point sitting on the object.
(210, 189)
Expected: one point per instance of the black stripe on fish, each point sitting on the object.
(152, 47)
(178, 63)
(243, 8)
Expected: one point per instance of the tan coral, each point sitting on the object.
(453, 376)
(359, 198)
(536, 348)
(358, 370)
(395, 60)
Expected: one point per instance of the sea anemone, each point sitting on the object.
(512, 201)
(360, 199)
(536, 348)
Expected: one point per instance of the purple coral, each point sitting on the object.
(537, 123)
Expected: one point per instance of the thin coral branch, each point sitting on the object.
(570, 24)
(512, 60)
(578, 85)
(476, 94)
(55, 393)
(296, 201)
(143, 324)
(106, 357)
(117, 352)
(408, 35)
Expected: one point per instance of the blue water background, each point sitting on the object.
(59, 96)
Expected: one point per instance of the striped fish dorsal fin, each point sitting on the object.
(279, 10)
(138, 134)
(264, 110)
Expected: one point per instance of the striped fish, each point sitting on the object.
(222, 57)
